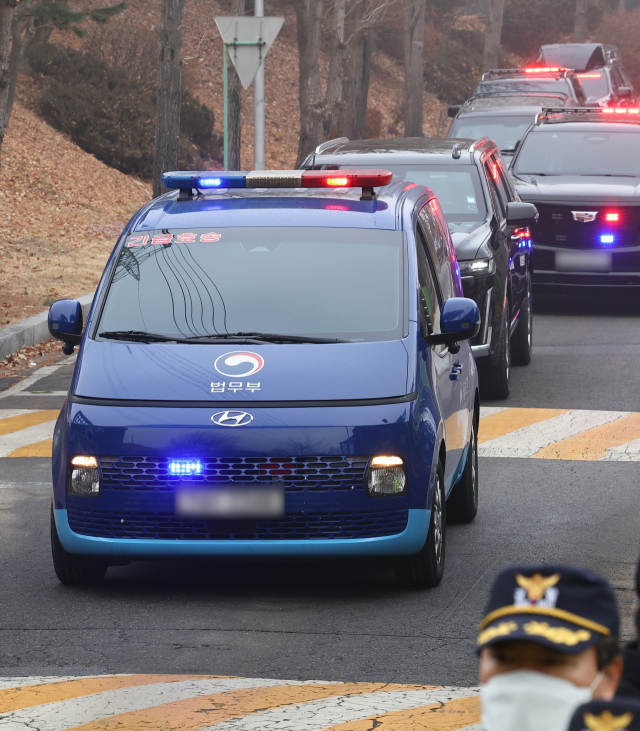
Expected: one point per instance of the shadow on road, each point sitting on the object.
(580, 301)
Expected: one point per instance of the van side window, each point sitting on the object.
(430, 296)
(492, 172)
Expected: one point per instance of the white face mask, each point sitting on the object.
(525, 700)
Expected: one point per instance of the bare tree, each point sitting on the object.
(169, 91)
(413, 26)
(6, 16)
(234, 118)
(580, 27)
(493, 34)
(318, 112)
(622, 7)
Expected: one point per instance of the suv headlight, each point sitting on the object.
(477, 267)
(84, 476)
(386, 477)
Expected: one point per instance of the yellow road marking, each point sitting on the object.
(510, 420)
(26, 696)
(194, 713)
(17, 423)
(593, 443)
(39, 449)
(451, 716)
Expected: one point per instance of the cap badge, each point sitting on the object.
(606, 721)
(536, 590)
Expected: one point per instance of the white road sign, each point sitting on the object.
(247, 59)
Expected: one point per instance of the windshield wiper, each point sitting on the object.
(137, 336)
(265, 338)
(607, 175)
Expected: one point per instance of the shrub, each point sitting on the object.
(623, 31)
(111, 115)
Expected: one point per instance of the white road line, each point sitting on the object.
(30, 380)
(44, 679)
(7, 413)
(24, 437)
(326, 712)
(63, 715)
(41, 393)
(488, 410)
(527, 441)
(629, 452)
(25, 486)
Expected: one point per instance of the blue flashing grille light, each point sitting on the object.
(183, 467)
(607, 239)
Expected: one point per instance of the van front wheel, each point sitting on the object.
(425, 569)
(72, 568)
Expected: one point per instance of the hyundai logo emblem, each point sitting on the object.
(232, 418)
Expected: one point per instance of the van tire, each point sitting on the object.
(425, 569)
(462, 503)
(72, 568)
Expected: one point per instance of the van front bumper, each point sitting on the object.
(409, 541)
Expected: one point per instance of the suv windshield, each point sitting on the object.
(595, 84)
(573, 152)
(458, 187)
(330, 282)
(504, 130)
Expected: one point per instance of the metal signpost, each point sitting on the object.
(250, 38)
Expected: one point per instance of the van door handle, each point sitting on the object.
(456, 370)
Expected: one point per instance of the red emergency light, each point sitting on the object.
(612, 217)
(589, 76)
(620, 110)
(544, 70)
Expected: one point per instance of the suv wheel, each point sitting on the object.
(495, 381)
(425, 569)
(462, 503)
(523, 336)
(72, 568)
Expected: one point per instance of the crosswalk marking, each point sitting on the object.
(199, 703)
(504, 421)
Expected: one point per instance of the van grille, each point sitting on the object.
(300, 526)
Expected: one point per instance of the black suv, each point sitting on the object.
(503, 119)
(581, 169)
(488, 226)
(600, 70)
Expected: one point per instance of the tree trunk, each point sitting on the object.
(493, 34)
(413, 27)
(6, 14)
(580, 27)
(14, 67)
(363, 92)
(309, 20)
(622, 6)
(234, 133)
(336, 79)
(169, 92)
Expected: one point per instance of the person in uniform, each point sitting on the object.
(630, 683)
(620, 714)
(548, 643)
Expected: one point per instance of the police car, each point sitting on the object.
(581, 169)
(274, 364)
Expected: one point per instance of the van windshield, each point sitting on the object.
(344, 283)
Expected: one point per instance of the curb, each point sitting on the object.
(34, 329)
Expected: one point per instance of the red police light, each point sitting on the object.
(614, 217)
(589, 76)
(620, 110)
(544, 70)
(346, 178)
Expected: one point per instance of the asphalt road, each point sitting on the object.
(342, 620)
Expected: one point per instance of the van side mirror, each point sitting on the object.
(624, 91)
(459, 320)
(520, 215)
(453, 110)
(65, 323)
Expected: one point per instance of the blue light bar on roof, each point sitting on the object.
(204, 180)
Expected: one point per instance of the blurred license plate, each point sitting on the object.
(235, 502)
(583, 261)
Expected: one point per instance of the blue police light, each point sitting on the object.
(189, 180)
(607, 239)
(209, 182)
(182, 467)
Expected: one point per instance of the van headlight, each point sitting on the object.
(477, 267)
(84, 476)
(386, 477)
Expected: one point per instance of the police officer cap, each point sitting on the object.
(620, 714)
(563, 607)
